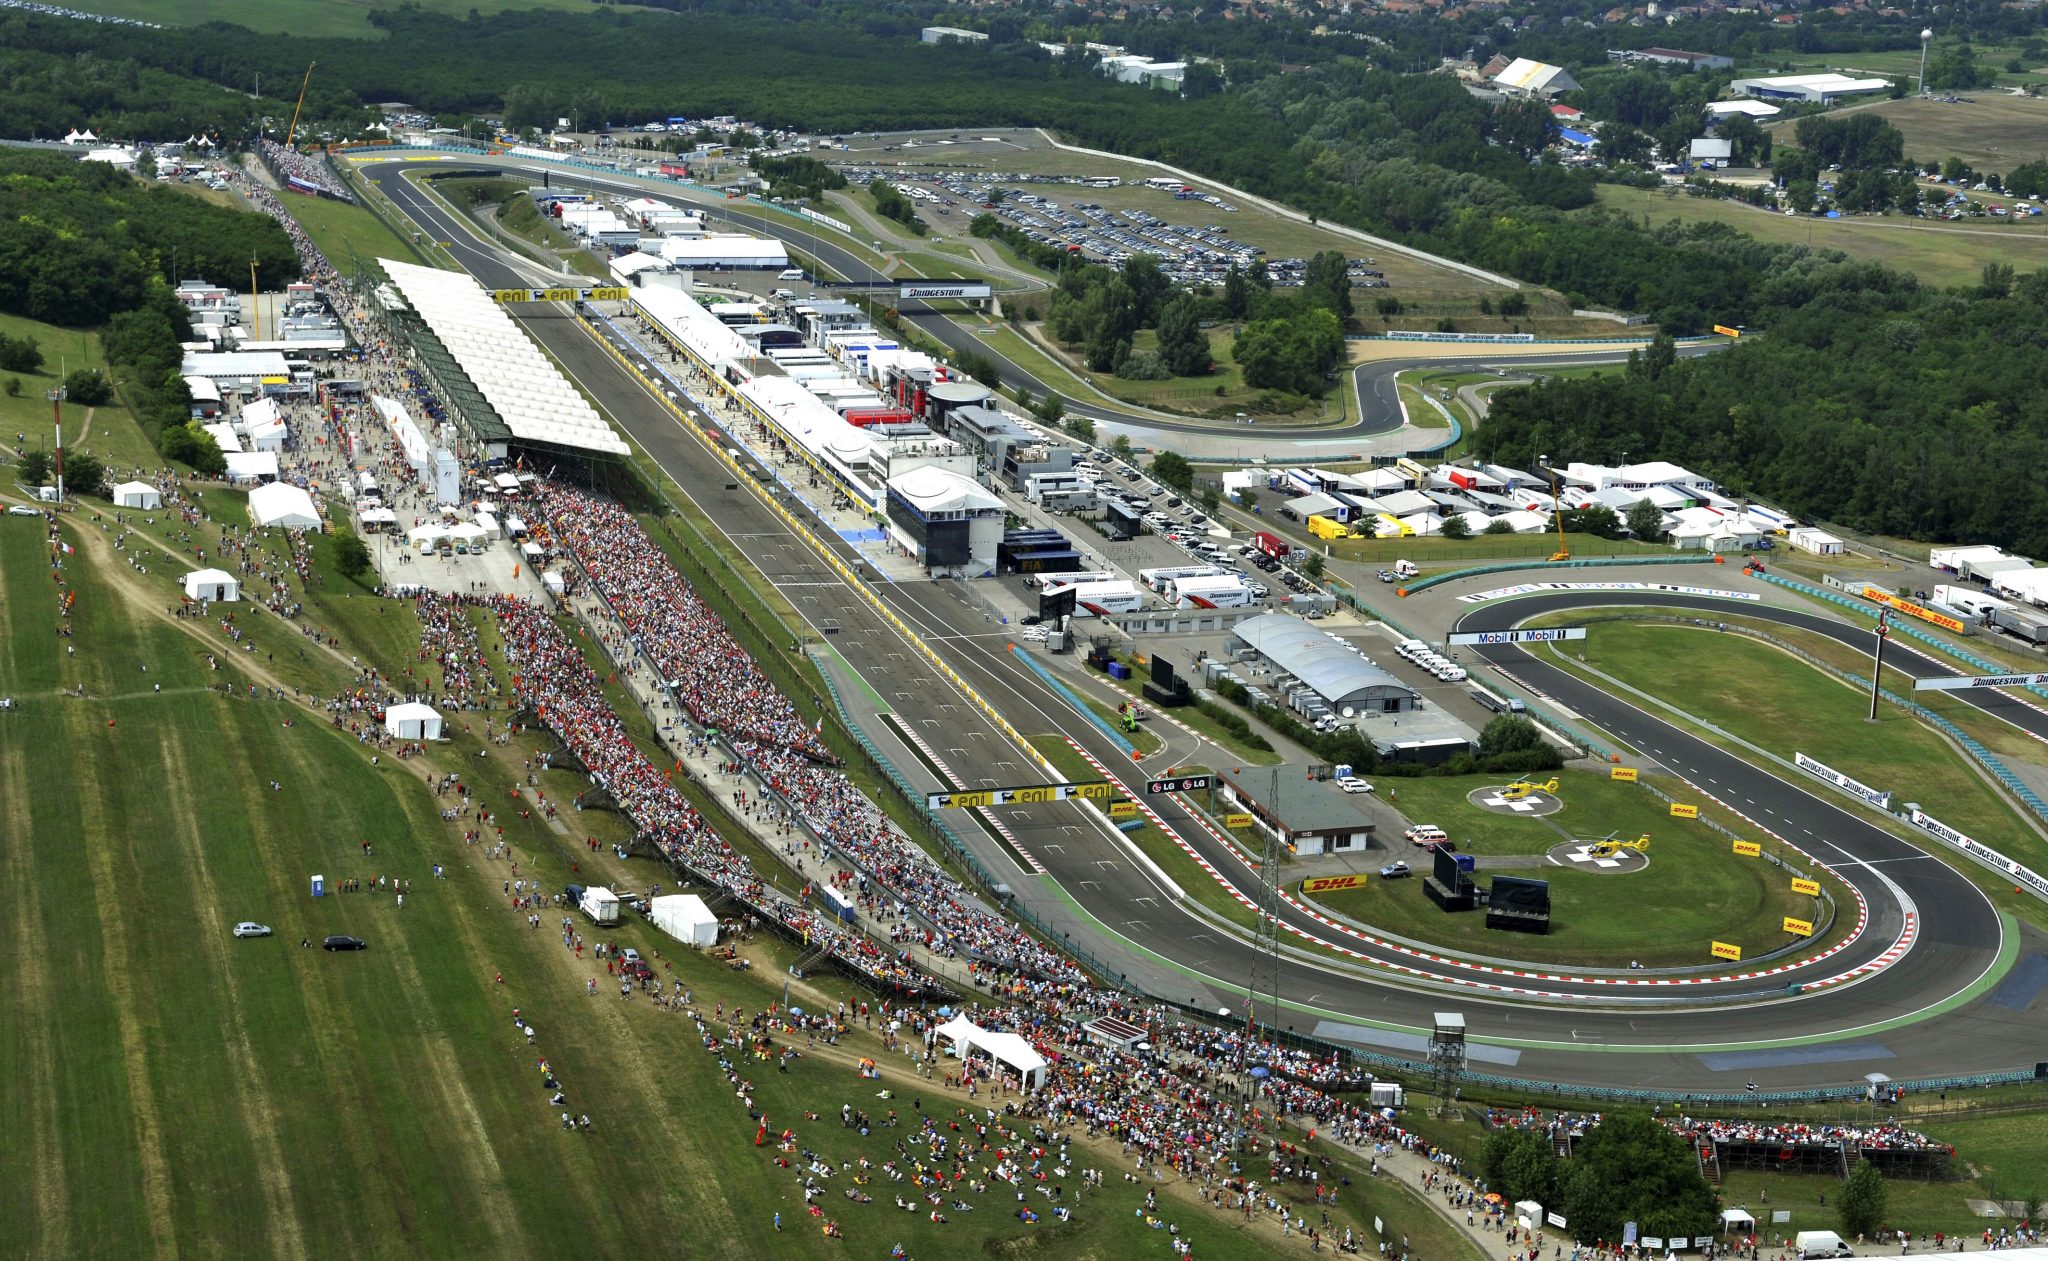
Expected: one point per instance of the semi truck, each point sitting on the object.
(1166, 575)
(1099, 599)
(1271, 544)
(2021, 624)
(1211, 593)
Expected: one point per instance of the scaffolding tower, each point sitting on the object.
(1265, 981)
(1446, 1058)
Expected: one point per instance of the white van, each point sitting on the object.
(1809, 1244)
(1426, 834)
(794, 273)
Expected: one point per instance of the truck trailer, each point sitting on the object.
(1271, 544)
(1211, 593)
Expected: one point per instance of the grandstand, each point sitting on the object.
(495, 381)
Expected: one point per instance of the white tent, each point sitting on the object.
(1005, 1048)
(252, 466)
(212, 584)
(684, 917)
(413, 722)
(137, 495)
(1736, 1221)
(282, 504)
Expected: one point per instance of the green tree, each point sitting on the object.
(1327, 279)
(1210, 497)
(1120, 446)
(1497, 527)
(1313, 565)
(1860, 1204)
(1620, 143)
(1524, 127)
(1052, 409)
(1183, 346)
(1632, 1169)
(1645, 521)
(33, 468)
(1151, 288)
(88, 387)
(84, 474)
(351, 554)
(1508, 733)
(1248, 498)
(1237, 297)
(1082, 427)
(20, 354)
(1456, 526)
(1515, 305)
(194, 446)
(1171, 468)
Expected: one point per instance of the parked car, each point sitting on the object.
(1386, 575)
(340, 942)
(22, 510)
(1395, 871)
(250, 928)
(1354, 785)
(629, 955)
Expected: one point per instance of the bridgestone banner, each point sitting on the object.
(2025, 878)
(1855, 788)
(1953, 682)
(957, 289)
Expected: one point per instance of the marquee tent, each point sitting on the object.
(1005, 1048)
(137, 495)
(283, 504)
(212, 584)
(684, 917)
(413, 722)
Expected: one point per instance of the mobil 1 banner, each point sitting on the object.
(1537, 635)
(1855, 788)
(933, 290)
(2026, 878)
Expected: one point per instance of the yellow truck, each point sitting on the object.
(1325, 528)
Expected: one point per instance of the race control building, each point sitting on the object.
(1344, 679)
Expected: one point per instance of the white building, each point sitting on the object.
(698, 253)
(283, 505)
(1758, 110)
(1819, 542)
(1635, 477)
(1819, 89)
(952, 35)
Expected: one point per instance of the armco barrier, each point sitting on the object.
(1898, 628)
(1590, 562)
(1078, 705)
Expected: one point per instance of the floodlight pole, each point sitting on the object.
(56, 398)
(1884, 631)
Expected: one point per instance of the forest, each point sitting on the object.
(84, 245)
(1872, 403)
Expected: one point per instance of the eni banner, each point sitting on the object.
(1798, 927)
(1237, 820)
(1811, 888)
(1878, 595)
(1626, 774)
(1123, 809)
(1722, 950)
(1093, 790)
(1330, 884)
(1752, 849)
(1726, 331)
(560, 295)
(1679, 811)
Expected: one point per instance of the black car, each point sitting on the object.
(339, 942)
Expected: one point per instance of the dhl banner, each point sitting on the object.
(1878, 595)
(1722, 950)
(1680, 811)
(1123, 809)
(1626, 774)
(1330, 884)
(1237, 820)
(1798, 927)
(1811, 888)
(1749, 849)
(1726, 331)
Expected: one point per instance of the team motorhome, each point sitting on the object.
(1211, 593)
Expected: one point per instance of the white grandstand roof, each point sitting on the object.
(1755, 109)
(533, 399)
(1524, 75)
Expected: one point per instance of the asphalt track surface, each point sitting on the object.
(1583, 1031)
(1372, 383)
